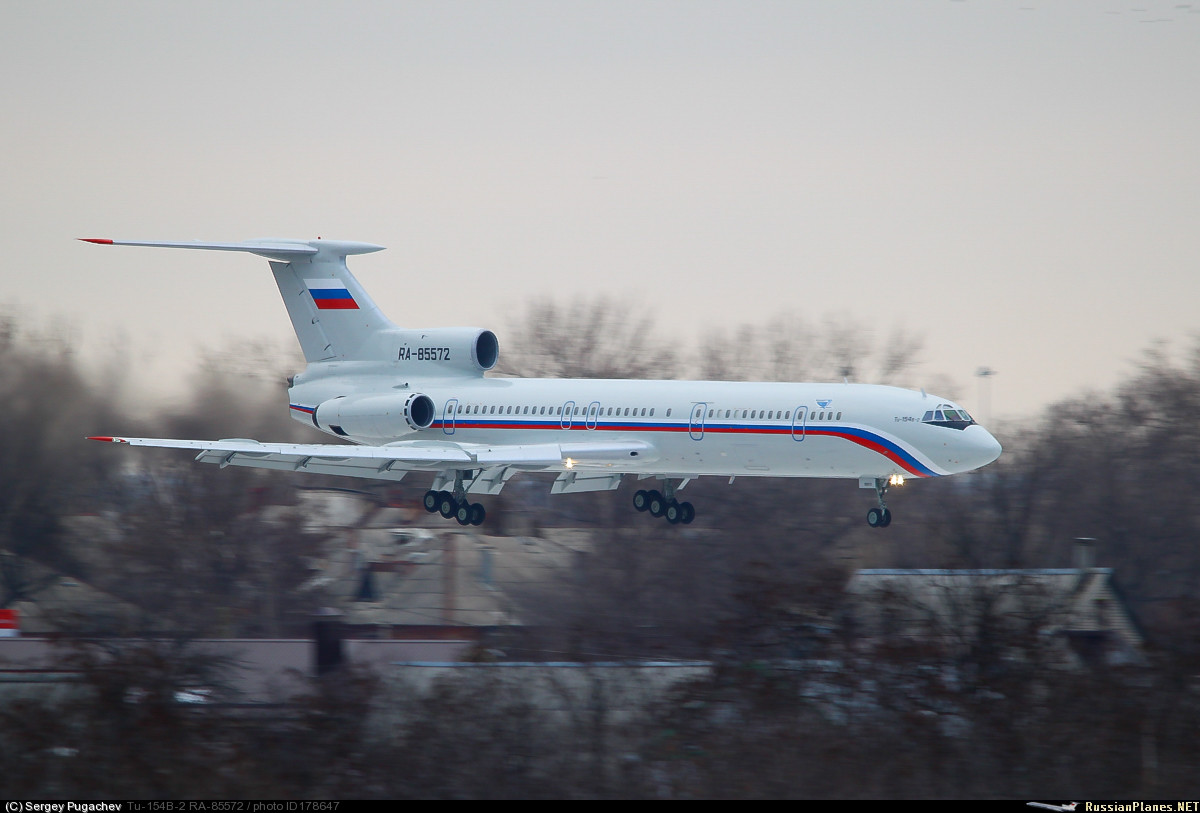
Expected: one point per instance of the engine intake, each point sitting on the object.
(419, 411)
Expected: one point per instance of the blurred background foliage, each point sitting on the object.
(757, 593)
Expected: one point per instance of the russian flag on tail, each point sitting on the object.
(330, 294)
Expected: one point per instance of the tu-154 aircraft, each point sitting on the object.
(410, 399)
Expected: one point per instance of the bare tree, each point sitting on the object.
(601, 338)
(790, 348)
(46, 468)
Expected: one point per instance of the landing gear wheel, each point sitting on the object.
(686, 513)
(431, 501)
(879, 517)
(657, 505)
(477, 514)
(641, 500)
(462, 513)
(447, 505)
(672, 513)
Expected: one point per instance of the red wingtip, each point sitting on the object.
(106, 439)
(101, 240)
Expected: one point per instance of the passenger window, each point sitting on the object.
(651, 412)
(668, 412)
(643, 412)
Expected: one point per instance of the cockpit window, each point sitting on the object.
(948, 416)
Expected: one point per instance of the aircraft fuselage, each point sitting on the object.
(695, 428)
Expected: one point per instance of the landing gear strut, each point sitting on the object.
(880, 517)
(455, 504)
(659, 504)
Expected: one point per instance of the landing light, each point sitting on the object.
(569, 463)
(896, 480)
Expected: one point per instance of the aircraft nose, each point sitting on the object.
(980, 447)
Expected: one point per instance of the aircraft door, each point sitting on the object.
(592, 415)
(448, 416)
(696, 422)
(799, 418)
(566, 419)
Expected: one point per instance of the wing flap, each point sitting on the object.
(575, 482)
(311, 465)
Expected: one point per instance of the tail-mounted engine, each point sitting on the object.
(375, 418)
(442, 350)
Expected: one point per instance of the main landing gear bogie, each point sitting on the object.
(654, 503)
(464, 511)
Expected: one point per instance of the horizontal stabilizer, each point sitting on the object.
(285, 250)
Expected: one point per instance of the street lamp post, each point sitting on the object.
(985, 392)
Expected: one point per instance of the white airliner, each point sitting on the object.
(418, 400)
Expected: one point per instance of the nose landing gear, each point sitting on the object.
(880, 517)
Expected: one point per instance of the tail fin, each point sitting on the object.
(332, 315)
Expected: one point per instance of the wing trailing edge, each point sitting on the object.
(391, 461)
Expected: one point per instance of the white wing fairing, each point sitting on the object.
(417, 400)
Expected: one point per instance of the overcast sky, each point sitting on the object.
(1017, 182)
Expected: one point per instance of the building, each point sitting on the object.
(1077, 614)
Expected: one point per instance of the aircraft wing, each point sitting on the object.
(393, 461)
